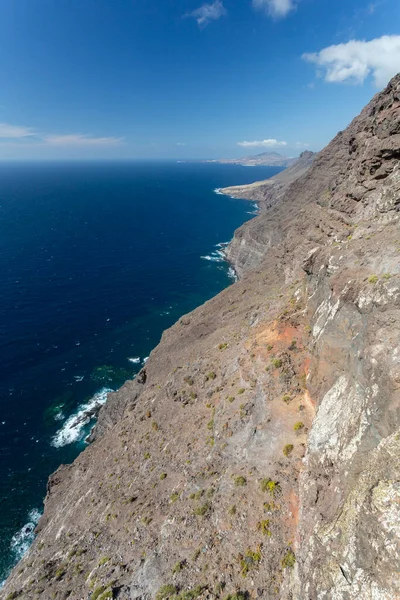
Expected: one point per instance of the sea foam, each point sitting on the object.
(73, 429)
(21, 540)
(135, 360)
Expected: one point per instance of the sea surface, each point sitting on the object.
(96, 260)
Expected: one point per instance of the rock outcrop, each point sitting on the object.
(259, 454)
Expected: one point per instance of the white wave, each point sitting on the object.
(216, 256)
(79, 377)
(222, 244)
(135, 360)
(73, 428)
(218, 191)
(144, 361)
(21, 541)
(232, 274)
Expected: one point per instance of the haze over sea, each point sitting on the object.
(96, 260)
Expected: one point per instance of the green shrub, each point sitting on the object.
(174, 496)
(288, 561)
(241, 390)
(270, 486)
(263, 526)
(166, 591)
(163, 476)
(240, 481)
(211, 375)
(373, 279)
(202, 510)
(178, 567)
(288, 449)
(299, 425)
(276, 363)
(222, 346)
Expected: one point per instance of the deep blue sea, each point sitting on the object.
(96, 260)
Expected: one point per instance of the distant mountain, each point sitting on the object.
(265, 159)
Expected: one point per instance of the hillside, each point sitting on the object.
(265, 159)
(257, 455)
(271, 190)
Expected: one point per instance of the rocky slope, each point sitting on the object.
(265, 159)
(270, 191)
(258, 453)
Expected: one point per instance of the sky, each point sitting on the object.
(186, 79)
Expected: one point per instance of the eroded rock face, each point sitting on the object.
(259, 452)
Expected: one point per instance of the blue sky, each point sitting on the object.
(186, 78)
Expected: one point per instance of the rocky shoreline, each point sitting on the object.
(256, 455)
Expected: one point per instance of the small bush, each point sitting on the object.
(103, 560)
(286, 398)
(241, 390)
(178, 567)
(232, 510)
(288, 561)
(386, 276)
(373, 279)
(269, 347)
(202, 510)
(147, 455)
(263, 526)
(211, 375)
(298, 426)
(277, 363)
(270, 486)
(288, 449)
(175, 496)
(166, 591)
(222, 346)
(163, 476)
(231, 398)
(240, 481)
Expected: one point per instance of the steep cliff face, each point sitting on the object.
(257, 455)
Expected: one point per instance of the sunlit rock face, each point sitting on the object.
(257, 453)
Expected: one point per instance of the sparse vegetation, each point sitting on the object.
(286, 398)
(276, 363)
(373, 279)
(202, 510)
(232, 510)
(288, 449)
(103, 560)
(270, 486)
(288, 561)
(240, 481)
(163, 476)
(174, 496)
(166, 591)
(231, 398)
(179, 567)
(211, 375)
(222, 346)
(263, 526)
(298, 426)
(249, 561)
(269, 347)
(241, 390)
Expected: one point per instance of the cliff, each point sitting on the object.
(258, 453)
(265, 159)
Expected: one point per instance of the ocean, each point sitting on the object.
(96, 260)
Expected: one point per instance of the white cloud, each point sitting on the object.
(275, 8)
(302, 145)
(208, 12)
(81, 140)
(14, 131)
(355, 60)
(181, 143)
(270, 143)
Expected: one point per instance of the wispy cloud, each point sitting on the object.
(181, 143)
(77, 139)
(277, 9)
(14, 131)
(208, 12)
(357, 59)
(270, 143)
